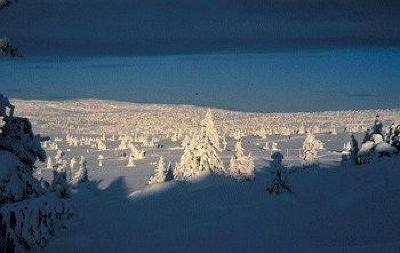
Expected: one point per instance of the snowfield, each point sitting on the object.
(333, 208)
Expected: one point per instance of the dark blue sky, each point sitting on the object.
(147, 27)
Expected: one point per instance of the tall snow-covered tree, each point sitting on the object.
(2, 123)
(160, 173)
(201, 155)
(280, 181)
(395, 138)
(241, 166)
(208, 129)
(185, 142)
(224, 143)
(73, 166)
(350, 150)
(131, 162)
(60, 184)
(50, 163)
(82, 174)
(29, 214)
(188, 164)
(311, 147)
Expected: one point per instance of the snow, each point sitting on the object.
(386, 148)
(332, 208)
(327, 211)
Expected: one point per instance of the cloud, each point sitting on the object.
(186, 26)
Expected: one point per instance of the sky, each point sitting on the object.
(162, 27)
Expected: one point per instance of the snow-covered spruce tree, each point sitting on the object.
(29, 214)
(188, 164)
(395, 138)
(59, 184)
(160, 172)
(81, 175)
(185, 142)
(50, 163)
(350, 150)
(131, 162)
(201, 154)
(170, 172)
(311, 147)
(224, 143)
(73, 166)
(208, 129)
(280, 181)
(6, 48)
(241, 166)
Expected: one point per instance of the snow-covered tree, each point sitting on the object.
(100, 160)
(377, 127)
(131, 162)
(170, 172)
(50, 163)
(395, 138)
(280, 181)
(201, 155)
(59, 183)
(224, 143)
(274, 146)
(185, 142)
(160, 172)
(82, 174)
(241, 166)
(350, 150)
(2, 123)
(29, 214)
(311, 147)
(73, 165)
(101, 144)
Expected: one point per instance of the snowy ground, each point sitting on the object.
(333, 208)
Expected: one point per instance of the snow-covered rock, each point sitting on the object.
(384, 148)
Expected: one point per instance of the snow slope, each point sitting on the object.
(352, 209)
(333, 209)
